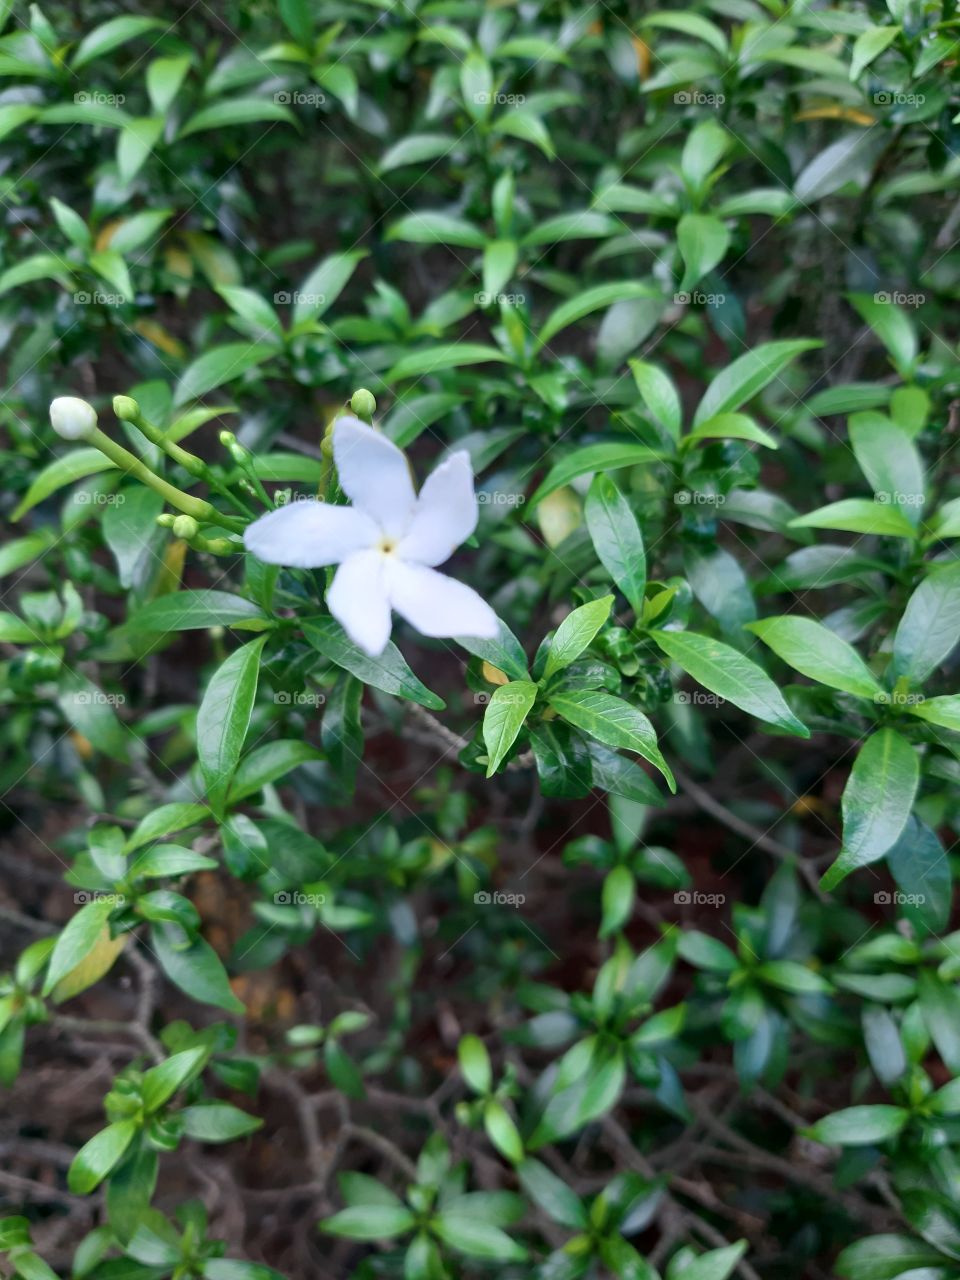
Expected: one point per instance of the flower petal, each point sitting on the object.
(374, 475)
(437, 605)
(306, 535)
(445, 514)
(358, 600)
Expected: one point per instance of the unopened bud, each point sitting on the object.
(72, 418)
(363, 404)
(185, 527)
(166, 520)
(126, 408)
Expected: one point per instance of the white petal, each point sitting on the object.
(306, 535)
(445, 514)
(374, 475)
(437, 605)
(358, 600)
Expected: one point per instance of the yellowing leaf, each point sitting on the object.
(98, 961)
(559, 514)
(159, 336)
(851, 114)
(493, 675)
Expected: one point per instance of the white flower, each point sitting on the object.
(72, 418)
(386, 544)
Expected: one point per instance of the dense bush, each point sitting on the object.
(612, 938)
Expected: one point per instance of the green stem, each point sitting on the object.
(185, 502)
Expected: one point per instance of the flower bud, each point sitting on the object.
(185, 527)
(363, 404)
(72, 418)
(126, 408)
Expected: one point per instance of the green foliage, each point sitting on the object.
(615, 941)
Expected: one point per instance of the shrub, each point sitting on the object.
(599, 922)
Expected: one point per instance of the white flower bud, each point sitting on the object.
(72, 418)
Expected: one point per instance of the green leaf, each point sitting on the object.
(890, 461)
(164, 78)
(195, 611)
(726, 672)
(503, 719)
(858, 515)
(388, 672)
(860, 1126)
(217, 1122)
(78, 938)
(748, 375)
(619, 888)
(369, 1222)
(452, 356)
(621, 776)
(502, 1132)
(575, 633)
(99, 1156)
(589, 458)
(788, 975)
(614, 722)
(164, 820)
(232, 111)
(944, 711)
(224, 717)
(731, 426)
(475, 1063)
(876, 802)
(659, 395)
(702, 241)
(885, 1257)
(220, 365)
(436, 228)
(477, 1239)
(506, 652)
(716, 1264)
(196, 970)
(816, 651)
(553, 1195)
(705, 952)
(595, 299)
(940, 1006)
(499, 261)
(161, 1082)
(269, 762)
(525, 126)
(868, 45)
(930, 626)
(617, 539)
(62, 471)
(135, 142)
(891, 325)
(324, 285)
(91, 713)
(919, 865)
(416, 148)
(110, 35)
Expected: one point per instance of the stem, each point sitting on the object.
(185, 502)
